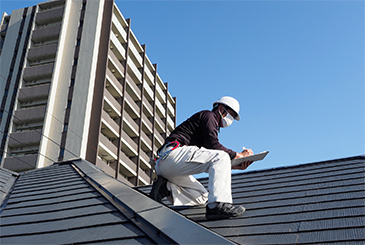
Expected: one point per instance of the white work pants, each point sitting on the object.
(185, 161)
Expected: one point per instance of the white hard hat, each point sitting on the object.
(231, 103)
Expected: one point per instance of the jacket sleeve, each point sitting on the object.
(209, 131)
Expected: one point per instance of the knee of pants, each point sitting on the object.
(223, 158)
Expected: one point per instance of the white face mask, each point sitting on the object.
(227, 120)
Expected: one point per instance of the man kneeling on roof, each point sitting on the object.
(193, 148)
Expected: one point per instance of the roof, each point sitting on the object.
(7, 179)
(75, 202)
(321, 202)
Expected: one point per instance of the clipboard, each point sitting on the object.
(255, 157)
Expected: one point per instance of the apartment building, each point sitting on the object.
(76, 83)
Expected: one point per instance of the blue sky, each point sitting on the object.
(296, 67)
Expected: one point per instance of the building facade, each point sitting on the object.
(76, 83)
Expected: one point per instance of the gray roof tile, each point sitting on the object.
(7, 178)
(81, 234)
(322, 202)
(43, 210)
(74, 202)
(58, 214)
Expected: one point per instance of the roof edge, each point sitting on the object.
(10, 179)
(358, 157)
(156, 220)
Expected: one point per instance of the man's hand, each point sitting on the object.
(244, 153)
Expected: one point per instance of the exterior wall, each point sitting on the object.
(86, 89)
(15, 33)
(138, 112)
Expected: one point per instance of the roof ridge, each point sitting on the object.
(358, 157)
(133, 204)
(7, 184)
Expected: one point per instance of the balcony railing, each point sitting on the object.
(42, 52)
(24, 139)
(33, 93)
(34, 114)
(107, 149)
(38, 72)
(111, 106)
(54, 15)
(46, 34)
(129, 147)
(21, 163)
(116, 87)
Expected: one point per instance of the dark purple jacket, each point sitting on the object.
(201, 130)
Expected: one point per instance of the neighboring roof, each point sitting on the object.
(7, 179)
(322, 202)
(74, 202)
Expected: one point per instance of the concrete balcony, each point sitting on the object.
(143, 178)
(45, 6)
(145, 161)
(4, 27)
(21, 163)
(160, 109)
(168, 132)
(160, 92)
(148, 109)
(119, 29)
(109, 127)
(34, 93)
(160, 126)
(170, 108)
(42, 52)
(108, 169)
(127, 166)
(34, 114)
(51, 16)
(117, 47)
(129, 147)
(113, 85)
(24, 139)
(115, 66)
(159, 139)
(111, 106)
(149, 76)
(46, 34)
(146, 142)
(38, 72)
(134, 72)
(133, 90)
(131, 107)
(136, 57)
(130, 126)
(170, 123)
(107, 149)
(148, 127)
(148, 91)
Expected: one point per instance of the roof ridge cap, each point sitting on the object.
(133, 204)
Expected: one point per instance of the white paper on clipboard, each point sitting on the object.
(256, 157)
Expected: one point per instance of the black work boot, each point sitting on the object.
(159, 189)
(223, 211)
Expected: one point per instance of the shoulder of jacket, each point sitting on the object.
(207, 115)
